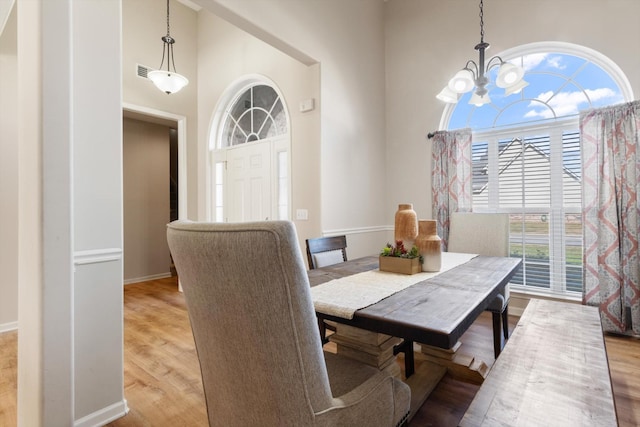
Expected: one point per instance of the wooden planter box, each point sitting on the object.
(400, 265)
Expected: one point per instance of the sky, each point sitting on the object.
(560, 85)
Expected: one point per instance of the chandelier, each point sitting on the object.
(510, 76)
(166, 80)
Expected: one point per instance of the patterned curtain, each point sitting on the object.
(450, 177)
(610, 139)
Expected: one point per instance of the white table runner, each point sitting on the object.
(343, 297)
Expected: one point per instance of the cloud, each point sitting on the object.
(530, 62)
(556, 62)
(566, 103)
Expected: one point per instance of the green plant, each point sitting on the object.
(400, 251)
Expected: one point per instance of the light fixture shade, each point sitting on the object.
(516, 87)
(479, 101)
(167, 81)
(508, 75)
(447, 95)
(462, 82)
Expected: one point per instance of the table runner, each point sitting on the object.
(343, 297)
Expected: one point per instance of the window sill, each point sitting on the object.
(519, 298)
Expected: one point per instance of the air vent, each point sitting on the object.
(143, 70)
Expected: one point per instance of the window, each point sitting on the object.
(256, 114)
(526, 158)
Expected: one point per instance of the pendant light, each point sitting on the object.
(510, 76)
(166, 80)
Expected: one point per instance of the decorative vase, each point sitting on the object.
(406, 225)
(429, 244)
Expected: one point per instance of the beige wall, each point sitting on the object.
(8, 176)
(144, 22)
(428, 41)
(146, 200)
(227, 54)
(346, 39)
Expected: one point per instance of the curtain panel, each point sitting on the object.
(611, 209)
(450, 177)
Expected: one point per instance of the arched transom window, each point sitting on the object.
(563, 80)
(256, 114)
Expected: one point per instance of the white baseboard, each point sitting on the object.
(7, 327)
(147, 278)
(104, 415)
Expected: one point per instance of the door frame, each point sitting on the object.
(181, 126)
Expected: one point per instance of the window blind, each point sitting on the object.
(533, 174)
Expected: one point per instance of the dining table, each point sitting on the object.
(432, 309)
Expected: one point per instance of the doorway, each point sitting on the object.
(154, 193)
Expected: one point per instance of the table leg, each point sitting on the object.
(462, 366)
(380, 351)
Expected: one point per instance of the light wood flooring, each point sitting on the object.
(162, 376)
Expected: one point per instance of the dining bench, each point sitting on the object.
(553, 372)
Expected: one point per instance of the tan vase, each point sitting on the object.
(406, 225)
(429, 244)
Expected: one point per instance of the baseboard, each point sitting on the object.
(7, 327)
(104, 415)
(147, 278)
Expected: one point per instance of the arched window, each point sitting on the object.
(256, 114)
(526, 156)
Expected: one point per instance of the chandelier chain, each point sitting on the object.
(481, 22)
(168, 31)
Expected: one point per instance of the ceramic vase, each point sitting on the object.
(429, 244)
(406, 225)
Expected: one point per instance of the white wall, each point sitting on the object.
(70, 349)
(346, 38)
(428, 41)
(146, 200)
(8, 175)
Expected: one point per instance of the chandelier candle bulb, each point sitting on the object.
(429, 245)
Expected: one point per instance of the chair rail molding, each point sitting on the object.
(94, 256)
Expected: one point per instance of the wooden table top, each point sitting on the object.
(436, 311)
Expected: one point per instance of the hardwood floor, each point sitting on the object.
(8, 378)
(162, 376)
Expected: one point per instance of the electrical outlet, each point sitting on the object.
(302, 214)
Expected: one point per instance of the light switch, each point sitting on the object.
(307, 105)
(302, 214)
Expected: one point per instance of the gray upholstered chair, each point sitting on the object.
(262, 363)
(485, 234)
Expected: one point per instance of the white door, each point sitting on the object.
(249, 182)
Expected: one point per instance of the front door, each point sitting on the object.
(249, 182)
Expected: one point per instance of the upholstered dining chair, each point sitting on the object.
(262, 363)
(485, 234)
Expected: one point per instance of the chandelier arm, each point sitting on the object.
(496, 60)
(475, 70)
(164, 48)
(172, 57)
